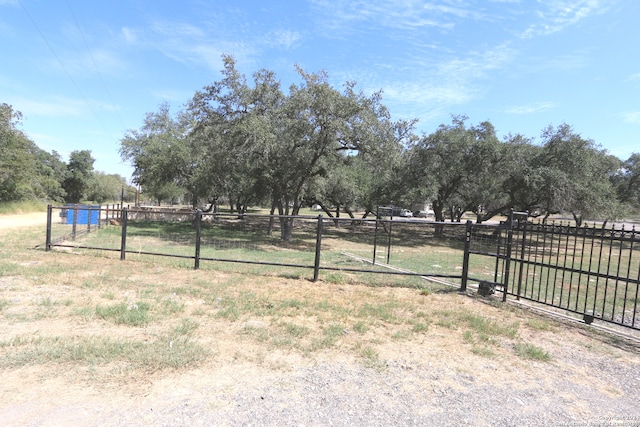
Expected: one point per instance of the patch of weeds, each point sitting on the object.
(281, 341)
(86, 312)
(532, 352)
(338, 310)
(228, 309)
(336, 278)
(292, 303)
(400, 335)
(449, 319)
(384, 312)
(173, 350)
(190, 291)
(89, 284)
(4, 303)
(46, 302)
(199, 312)
(483, 325)
(425, 292)
(360, 327)
(541, 325)
(259, 333)
(330, 336)
(170, 306)
(295, 276)
(186, 327)
(125, 314)
(108, 295)
(371, 358)
(296, 331)
(419, 327)
(483, 351)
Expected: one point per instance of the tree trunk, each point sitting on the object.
(438, 209)
(273, 209)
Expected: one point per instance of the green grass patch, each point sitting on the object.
(532, 352)
(172, 350)
(125, 314)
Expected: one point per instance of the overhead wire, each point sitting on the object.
(95, 65)
(64, 68)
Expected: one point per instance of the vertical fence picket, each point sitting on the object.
(48, 237)
(198, 225)
(123, 239)
(316, 263)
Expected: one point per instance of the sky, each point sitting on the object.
(83, 72)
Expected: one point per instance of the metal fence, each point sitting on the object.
(591, 271)
(396, 247)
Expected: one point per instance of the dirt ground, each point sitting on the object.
(436, 377)
(23, 220)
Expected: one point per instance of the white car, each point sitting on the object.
(406, 213)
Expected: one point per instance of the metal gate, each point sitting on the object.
(591, 271)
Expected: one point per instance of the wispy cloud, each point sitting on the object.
(399, 14)
(632, 117)
(556, 15)
(531, 108)
(60, 106)
(282, 38)
(57, 107)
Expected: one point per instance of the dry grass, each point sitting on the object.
(107, 322)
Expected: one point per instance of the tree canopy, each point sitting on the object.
(30, 173)
(247, 141)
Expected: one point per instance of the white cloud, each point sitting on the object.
(282, 38)
(400, 14)
(60, 107)
(531, 108)
(129, 35)
(560, 14)
(632, 117)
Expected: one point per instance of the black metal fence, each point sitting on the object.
(591, 271)
(392, 246)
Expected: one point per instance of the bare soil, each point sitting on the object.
(388, 374)
(23, 220)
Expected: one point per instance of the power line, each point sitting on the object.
(63, 67)
(104, 85)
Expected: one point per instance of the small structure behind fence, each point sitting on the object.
(593, 272)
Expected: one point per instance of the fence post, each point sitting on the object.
(47, 246)
(389, 239)
(198, 235)
(316, 265)
(74, 222)
(123, 240)
(375, 236)
(507, 268)
(465, 260)
(523, 247)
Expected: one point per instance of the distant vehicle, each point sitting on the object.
(406, 213)
(423, 214)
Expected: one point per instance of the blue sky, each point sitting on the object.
(83, 72)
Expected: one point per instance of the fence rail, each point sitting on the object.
(591, 271)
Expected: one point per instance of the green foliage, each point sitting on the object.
(80, 178)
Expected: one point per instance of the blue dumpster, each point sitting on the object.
(84, 214)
